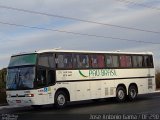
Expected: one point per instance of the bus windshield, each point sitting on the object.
(20, 60)
(20, 78)
(21, 72)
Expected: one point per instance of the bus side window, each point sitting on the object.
(75, 65)
(101, 63)
(137, 61)
(84, 61)
(68, 61)
(97, 61)
(151, 62)
(112, 61)
(60, 61)
(94, 61)
(41, 77)
(148, 61)
(115, 61)
(65, 61)
(46, 60)
(51, 77)
(109, 61)
(125, 61)
(81, 61)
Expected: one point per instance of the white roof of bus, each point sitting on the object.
(86, 51)
(82, 51)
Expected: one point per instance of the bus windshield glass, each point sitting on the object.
(29, 59)
(20, 78)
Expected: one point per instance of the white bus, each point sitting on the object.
(62, 76)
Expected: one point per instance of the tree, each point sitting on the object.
(3, 73)
(158, 79)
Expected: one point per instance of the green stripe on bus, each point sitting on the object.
(82, 74)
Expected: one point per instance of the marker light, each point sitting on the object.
(29, 95)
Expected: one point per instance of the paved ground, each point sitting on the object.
(145, 106)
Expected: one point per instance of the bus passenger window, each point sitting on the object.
(46, 60)
(125, 61)
(109, 61)
(60, 61)
(134, 59)
(81, 61)
(148, 61)
(97, 61)
(65, 61)
(137, 61)
(115, 61)
(51, 61)
(112, 61)
(43, 60)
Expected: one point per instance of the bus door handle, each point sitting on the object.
(78, 90)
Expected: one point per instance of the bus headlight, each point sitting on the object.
(29, 95)
(8, 95)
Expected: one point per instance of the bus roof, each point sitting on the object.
(86, 51)
(81, 51)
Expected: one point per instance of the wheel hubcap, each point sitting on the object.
(61, 100)
(121, 94)
(133, 93)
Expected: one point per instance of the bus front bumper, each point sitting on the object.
(21, 101)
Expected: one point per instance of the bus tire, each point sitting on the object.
(60, 99)
(132, 92)
(121, 94)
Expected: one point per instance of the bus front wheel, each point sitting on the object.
(120, 94)
(60, 99)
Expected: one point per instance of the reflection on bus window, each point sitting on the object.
(65, 61)
(20, 78)
(29, 59)
(47, 60)
(148, 61)
(41, 77)
(125, 61)
(137, 61)
(81, 61)
(112, 61)
(51, 77)
(97, 61)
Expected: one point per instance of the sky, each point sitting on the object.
(14, 39)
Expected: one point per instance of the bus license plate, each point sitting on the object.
(18, 101)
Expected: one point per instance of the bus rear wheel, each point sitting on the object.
(132, 93)
(60, 99)
(121, 94)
